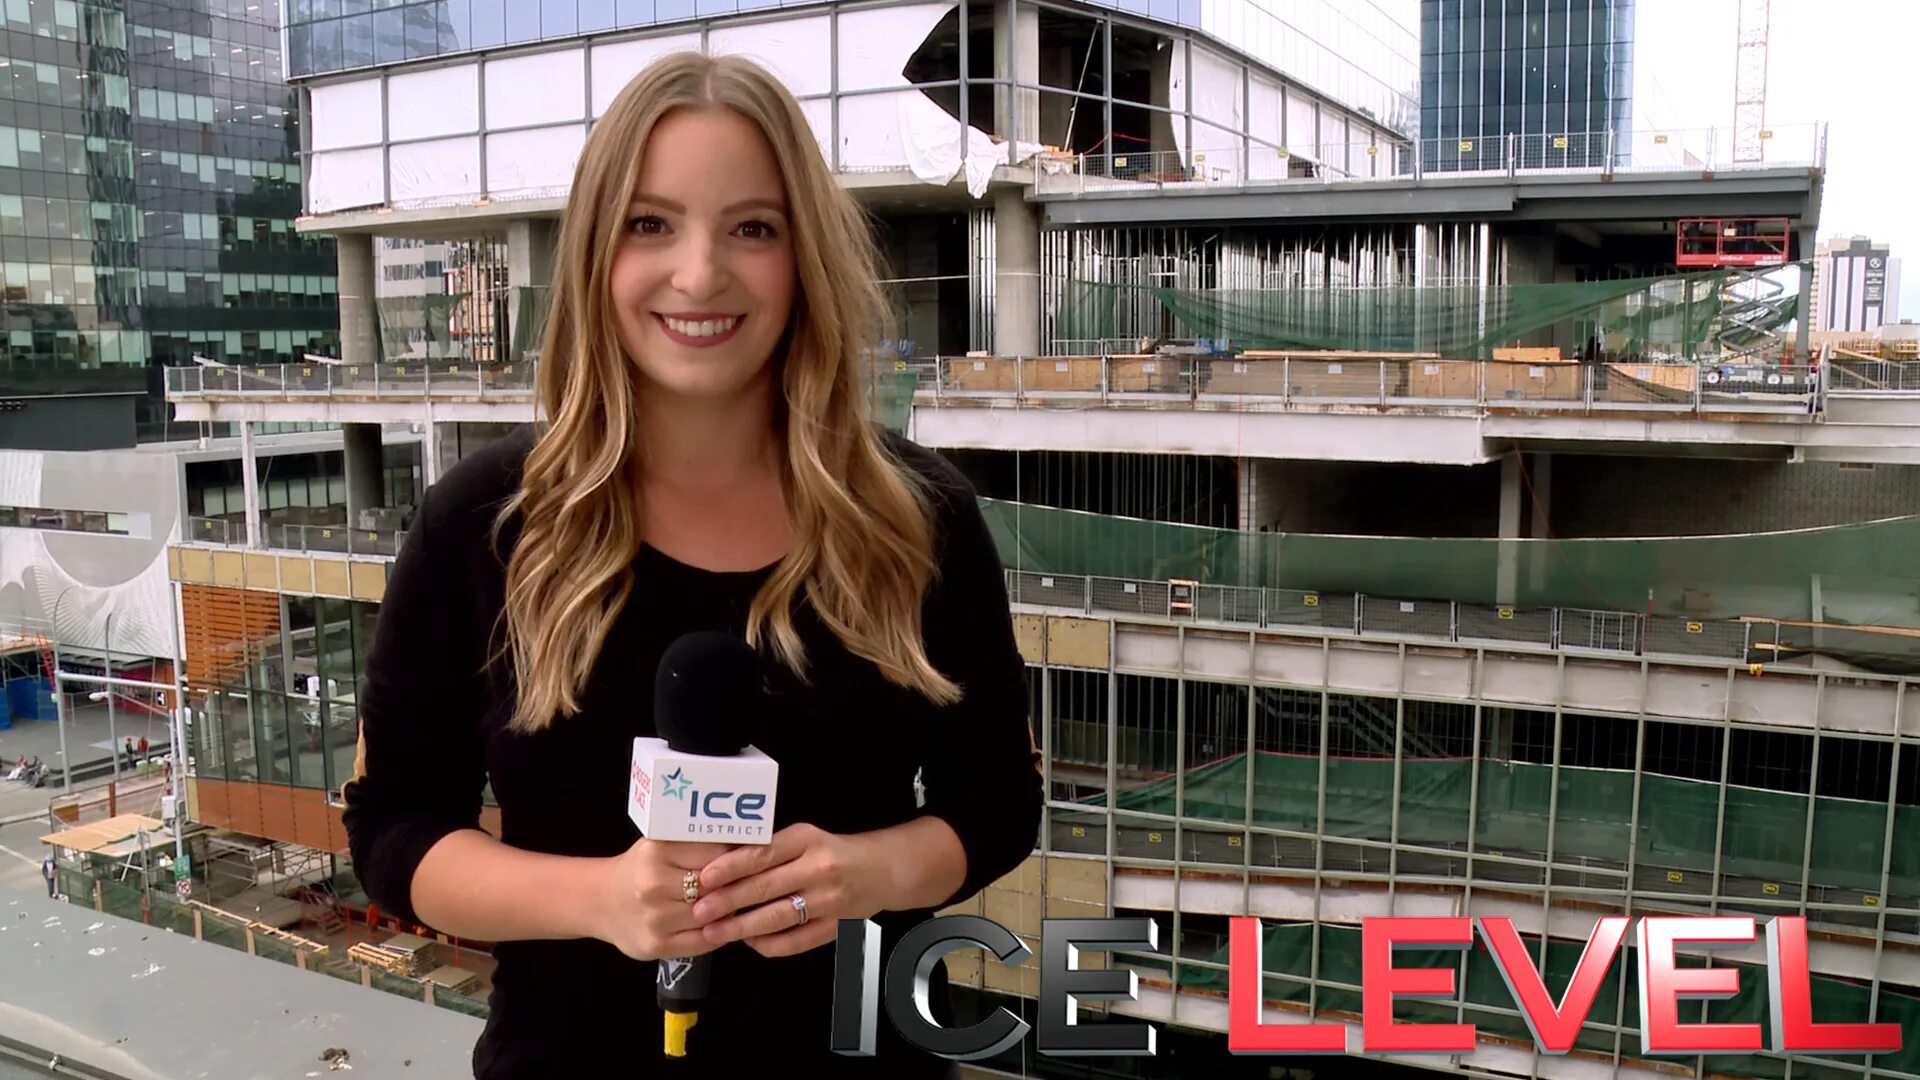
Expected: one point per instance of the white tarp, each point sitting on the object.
(907, 129)
(344, 179)
(436, 170)
(346, 114)
(434, 103)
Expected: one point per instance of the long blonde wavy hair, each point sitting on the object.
(862, 553)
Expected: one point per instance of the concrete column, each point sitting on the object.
(250, 483)
(366, 488)
(1540, 475)
(359, 318)
(1803, 321)
(530, 243)
(1259, 511)
(1016, 53)
(1484, 271)
(1016, 282)
(1259, 494)
(1510, 501)
(359, 344)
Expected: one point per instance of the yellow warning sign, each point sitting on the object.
(1870, 901)
(1466, 146)
(1559, 142)
(1506, 613)
(1310, 600)
(1079, 830)
(1695, 628)
(1675, 877)
(1153, 838)
(1233, 841)
(1771, 888)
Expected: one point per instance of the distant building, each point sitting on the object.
(1559, 76)
(149, 178)
(1856, 286)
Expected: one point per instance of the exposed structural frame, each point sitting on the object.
(468, 120)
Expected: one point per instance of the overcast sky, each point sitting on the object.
(1850, 63)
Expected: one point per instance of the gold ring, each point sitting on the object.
(690, 885)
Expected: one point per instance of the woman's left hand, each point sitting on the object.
(747, 894)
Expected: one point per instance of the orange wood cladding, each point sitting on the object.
(224, 629)
(290, 814)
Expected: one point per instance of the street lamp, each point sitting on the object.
(53, 683)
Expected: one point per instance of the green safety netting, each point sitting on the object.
(1765, 575)
(890, 396)
(1288, 950)
(1763, 832)
(1686, 315)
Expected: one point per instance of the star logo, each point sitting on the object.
(675, 785)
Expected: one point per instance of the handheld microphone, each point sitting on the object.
(701, 781)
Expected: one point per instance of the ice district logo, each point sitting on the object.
(676, 785)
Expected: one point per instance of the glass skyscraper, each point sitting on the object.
(1554, 75)
(149, 180)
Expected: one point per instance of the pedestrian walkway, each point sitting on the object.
(90, 734)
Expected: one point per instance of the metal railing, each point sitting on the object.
(1107, 372)
(1318, 378)
(330, 539)
(1234, 163)
(1561, 629)
(442, 378)
(1620, 632)
(1880, 376)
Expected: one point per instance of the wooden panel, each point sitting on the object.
(1077, 642)
(310, 819)
(196, 564)
(229, 569)
(262, 572)
(369, 580)
(173, 564)
(296, 574)
(276, 812)
(1027, 632)
(292, 815)
(208, 800)
(223, 628)
(330, 577)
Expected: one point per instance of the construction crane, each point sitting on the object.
(1750, 82)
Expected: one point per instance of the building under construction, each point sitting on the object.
(1386, 532)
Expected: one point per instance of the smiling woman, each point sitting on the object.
(707, 466)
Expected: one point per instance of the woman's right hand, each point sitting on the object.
(642, 908)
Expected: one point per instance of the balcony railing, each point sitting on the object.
(331, 539)
(1169, 380)
(1739, 640)
(458, 379)
(1231, 163)
(1408, 382)
(1578, 630)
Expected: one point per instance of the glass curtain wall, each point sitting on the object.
(289, 718)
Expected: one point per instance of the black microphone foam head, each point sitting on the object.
(707, 697)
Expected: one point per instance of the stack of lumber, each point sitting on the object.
(401, 954)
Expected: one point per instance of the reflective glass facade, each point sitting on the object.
(1558, 73)
(282, 712)
(149, 178)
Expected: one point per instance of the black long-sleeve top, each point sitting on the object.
(433, 713)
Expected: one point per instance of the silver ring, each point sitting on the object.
(800, 905)
(690, 885)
